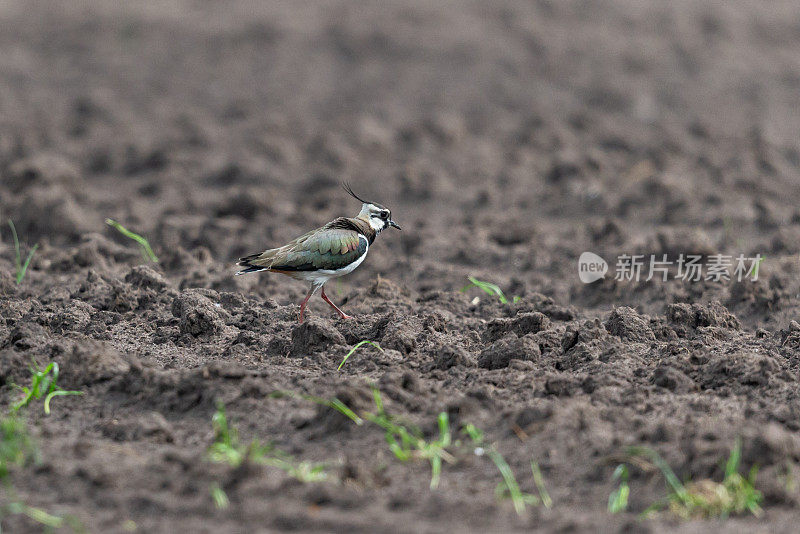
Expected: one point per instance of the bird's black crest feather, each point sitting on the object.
(347, 188)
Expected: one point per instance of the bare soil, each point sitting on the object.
(507, 138)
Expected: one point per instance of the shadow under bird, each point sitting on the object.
(329, 252)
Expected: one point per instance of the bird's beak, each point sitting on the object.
(392, 223)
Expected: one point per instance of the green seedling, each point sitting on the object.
(21, 266)
(509, 488)
(37, 514)
(736, 494)
(618, 500)
(219, 497)
(502, 491)
(227, 448)
(489, 288)
(17, 447)
(147, 251)
(334, 404)
(302, 471)
(359, 344)
(753, 272)
(43, 384)
(538, 480)
(17, 450)
(407, 443)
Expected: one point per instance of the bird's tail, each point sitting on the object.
(250, 268)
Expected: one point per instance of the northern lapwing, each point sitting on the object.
(329, 252)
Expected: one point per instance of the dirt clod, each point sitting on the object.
(449, 356)
(521, 324)
(314, 335)
(500, 353)
(627, 324)
(698, 315)
(198, 314)
(146, 277)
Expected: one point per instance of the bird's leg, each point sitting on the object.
(342, 314)
(305, 300)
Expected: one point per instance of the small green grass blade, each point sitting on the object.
(444, 429)
(509, 480)
(18, 449)
(732, 465)
(538, 479)
(219, 497)
(357, 345)
(406, 442)
(136, 237)
(42, 517)
(335, 404)
(437, 448)
(228, 449)
(753, 272)
(487, 287)
(27, 395)
(59, 393)
(706, 498)
(618, 500)
(474, 433)
(43, 385)
(24, 269)
(436, 471)
(669, 475)
(376, 396)
(17, 255)
(342, 408)
(20, 266)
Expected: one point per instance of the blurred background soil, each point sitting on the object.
(507, 138)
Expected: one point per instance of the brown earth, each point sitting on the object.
(507, 138)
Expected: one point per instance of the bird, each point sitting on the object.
(331, 251)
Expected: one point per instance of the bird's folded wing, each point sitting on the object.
(322, 249)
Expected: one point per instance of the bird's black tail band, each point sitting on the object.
(250, 269)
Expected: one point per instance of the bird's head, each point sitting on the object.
(378, 216)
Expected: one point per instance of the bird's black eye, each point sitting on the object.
(384, 215)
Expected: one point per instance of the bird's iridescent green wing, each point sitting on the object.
(323, 249)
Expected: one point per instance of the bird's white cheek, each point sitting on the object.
(376, 224)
